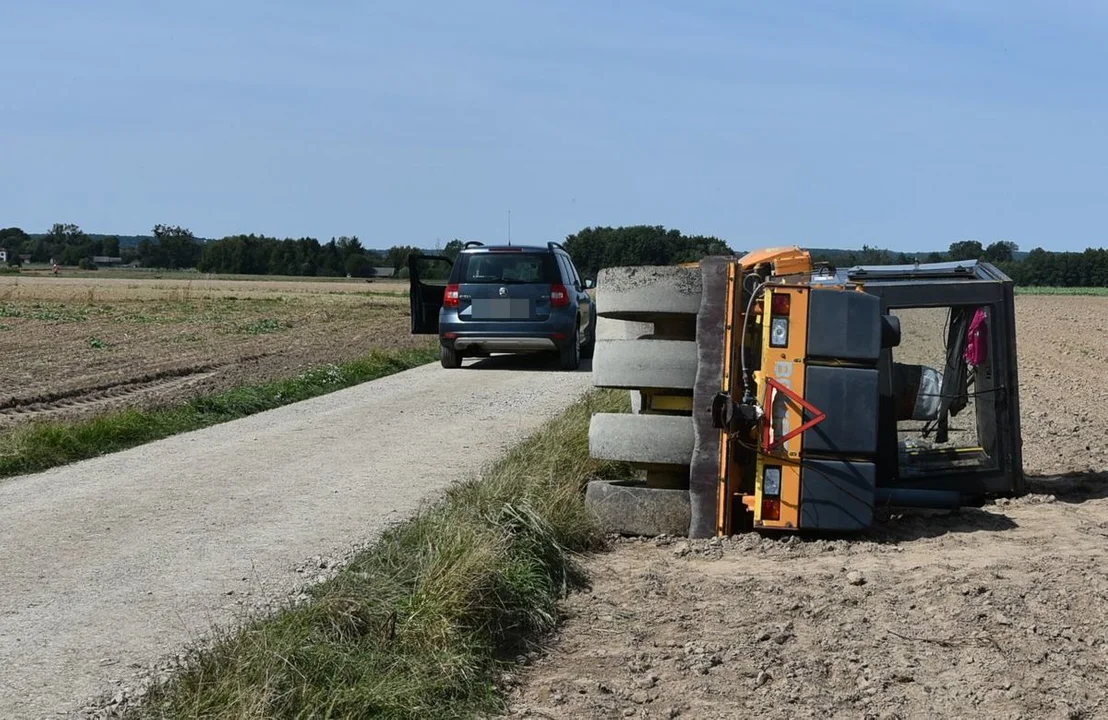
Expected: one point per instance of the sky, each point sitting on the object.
(907, 125)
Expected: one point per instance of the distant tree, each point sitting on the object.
(16, 242)
(359, 266)
(111, 246)
(349, 245)
(596, 248)
(1001, 251)
(13, 237)
(397, 256)
(174, 247)
(966, 250)
(935, 257)
(452, 249)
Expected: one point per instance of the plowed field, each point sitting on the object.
(72, 347)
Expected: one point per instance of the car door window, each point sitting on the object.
(576, 277)
(567, 276)
(571, 276)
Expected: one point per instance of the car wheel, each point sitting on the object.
(590, 346)
(450, 358)
(569, 355)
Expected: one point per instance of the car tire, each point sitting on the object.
(450, 358)
(569, 355)
(589, 347)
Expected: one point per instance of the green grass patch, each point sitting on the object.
(423, 623)
(1029, 290)
(265, 326)
(41, 446)
(44, 313)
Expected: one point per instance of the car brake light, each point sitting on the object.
(450, 298)
(780, 303)
(771, 509)
(559, 296)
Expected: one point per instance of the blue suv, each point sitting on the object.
(509, 298)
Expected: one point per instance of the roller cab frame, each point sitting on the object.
(815, 429)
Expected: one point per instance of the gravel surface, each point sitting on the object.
(112, 565)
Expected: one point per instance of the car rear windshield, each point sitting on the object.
(507, 267)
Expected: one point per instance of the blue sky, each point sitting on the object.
(904, 124)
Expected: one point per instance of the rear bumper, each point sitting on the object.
(504, 344)
(549, 334)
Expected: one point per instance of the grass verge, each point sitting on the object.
(42, 446)
(423, 623)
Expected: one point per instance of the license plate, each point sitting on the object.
(501, 309)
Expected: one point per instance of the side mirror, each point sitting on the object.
(589, 284)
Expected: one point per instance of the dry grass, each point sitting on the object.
(422, 624)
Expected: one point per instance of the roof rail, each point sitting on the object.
(559, 246)
(472, 243)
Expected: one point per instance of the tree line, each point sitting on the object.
(1044, 268)
(173, 247)
(593, 248)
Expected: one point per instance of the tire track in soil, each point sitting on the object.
(21, 410)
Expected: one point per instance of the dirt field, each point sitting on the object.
(71, 347)
(998, 612)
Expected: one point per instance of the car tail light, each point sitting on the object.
(559, 296)
(450, 298)
(780, 303)
(771, 509)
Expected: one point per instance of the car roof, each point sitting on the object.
(511, 248)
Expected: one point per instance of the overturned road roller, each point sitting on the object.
(769, 394)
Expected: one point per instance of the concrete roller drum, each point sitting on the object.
(648, 293)
(645, 364)
(630, 509)
(647, 345)
(610, 329)
(646, 440)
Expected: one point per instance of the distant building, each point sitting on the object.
(3, 255)
(106, 260)
(383, 272)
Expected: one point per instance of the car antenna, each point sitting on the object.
(509, 228)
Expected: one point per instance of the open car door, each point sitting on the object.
(428, 276)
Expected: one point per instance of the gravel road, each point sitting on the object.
(113, 563)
